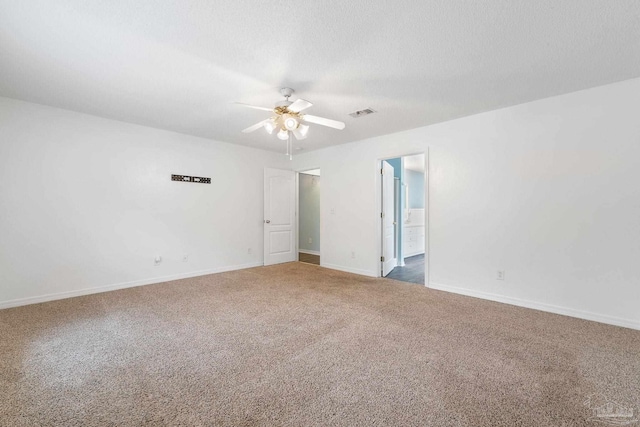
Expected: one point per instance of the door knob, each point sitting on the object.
(267, 221)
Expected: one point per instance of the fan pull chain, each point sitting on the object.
(290, 147)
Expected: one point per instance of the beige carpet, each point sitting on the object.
(299, 345)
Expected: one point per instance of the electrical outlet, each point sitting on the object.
(157, 260)
(185, 257)
(353, 254)
(310, 240)
(249, 251)
(500, 275)
(333, 211)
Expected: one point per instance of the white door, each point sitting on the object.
(388, 226)
(279, 216)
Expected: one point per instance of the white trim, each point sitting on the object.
(427, 217)
(88, 291)
(309, 252)
(580, 314)
(297, 215)
(349, 270)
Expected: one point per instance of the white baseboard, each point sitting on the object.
(88, 291)
(610, 320)
(348, 269)
(309, 252)
(405, 256)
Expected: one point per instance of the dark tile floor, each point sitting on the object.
(308, 258)
(412, 272)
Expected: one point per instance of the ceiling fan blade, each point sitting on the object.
(299, 105)
(253, 106)
(324, 122)
(254, 127)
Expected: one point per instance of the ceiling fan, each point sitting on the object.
(288, 119)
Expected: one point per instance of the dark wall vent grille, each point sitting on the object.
(361, 113)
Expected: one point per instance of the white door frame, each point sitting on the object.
(388, 222)
(378, 231)
(298, 172)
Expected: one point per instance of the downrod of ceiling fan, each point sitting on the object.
(286, 92)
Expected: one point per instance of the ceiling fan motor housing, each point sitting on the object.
(286, 92)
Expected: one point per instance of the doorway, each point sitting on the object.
(403, 218)
(309, 216)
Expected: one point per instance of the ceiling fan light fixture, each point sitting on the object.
(270, 125)
(303, 129)
(283, 134)
(290, 122)
(301, 132)
(287, 120)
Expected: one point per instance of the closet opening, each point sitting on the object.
(309, 216)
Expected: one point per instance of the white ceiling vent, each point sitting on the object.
(361, 113)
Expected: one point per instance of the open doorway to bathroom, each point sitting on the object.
(404, 218)
(309, 216)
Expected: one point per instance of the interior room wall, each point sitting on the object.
(309, 213)
(87, 204)
(545, 191)
(415, 181)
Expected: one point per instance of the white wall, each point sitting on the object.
(87, 203)
(548, 191)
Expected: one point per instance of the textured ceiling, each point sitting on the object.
(179, 65)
